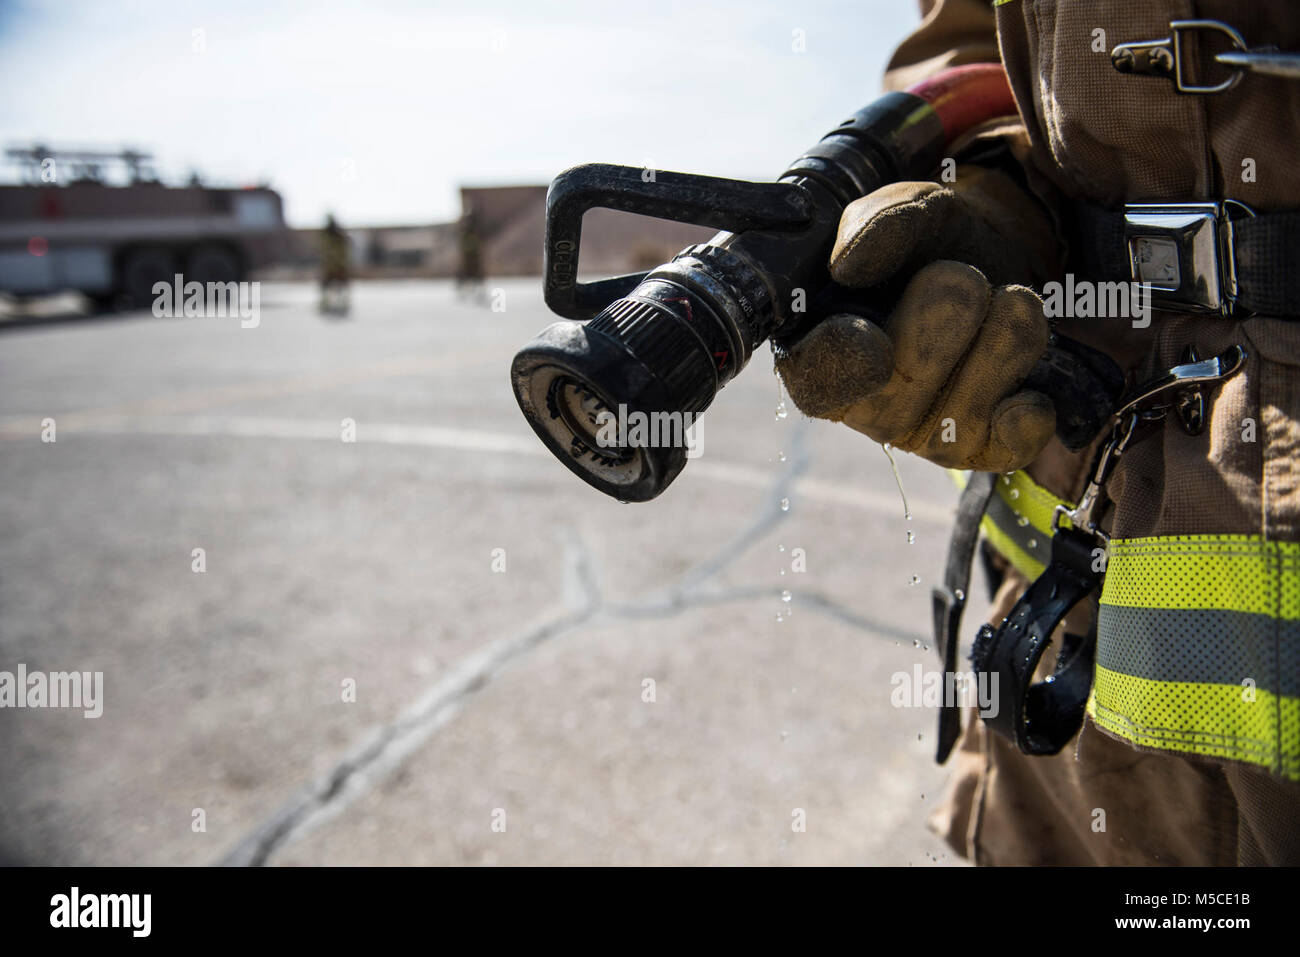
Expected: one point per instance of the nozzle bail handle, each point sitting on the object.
(711, 201)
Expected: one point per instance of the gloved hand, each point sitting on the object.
(943, 377)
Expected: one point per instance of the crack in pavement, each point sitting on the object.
(817, 600)
(389, 745)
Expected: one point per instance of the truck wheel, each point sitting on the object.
(213, 262)
(101, 302)
(143, 267)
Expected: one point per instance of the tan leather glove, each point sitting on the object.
(943, 377)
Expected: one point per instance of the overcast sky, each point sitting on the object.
(380, 110)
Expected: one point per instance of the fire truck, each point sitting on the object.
(102, 224)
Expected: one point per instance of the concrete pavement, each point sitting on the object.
(350, 681)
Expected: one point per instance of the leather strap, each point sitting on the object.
(1268, 263)
(949, 599)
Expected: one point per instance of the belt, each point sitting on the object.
(1198, 257)
(1220, 258)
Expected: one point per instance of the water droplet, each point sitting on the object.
(916, 642)
(911, 537)
(898, 480)
(916, 580)
(785, 505)
(961, 595)
(918, 737)
(1022, 521)
(782, 572)
(780, 548)
(1032, 543)
(1014, 493)
(786, 596)
(784, 735)
(781, 410)
(1006, 479)
(780, 456)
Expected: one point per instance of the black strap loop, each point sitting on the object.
(1042, 718)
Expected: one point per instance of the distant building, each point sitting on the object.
(511, 222)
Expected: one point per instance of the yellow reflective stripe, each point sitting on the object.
(1009, 549)
(1228, 722)
(1021, 496)
(1241, 573)
(1030, 499)
(1167, 603)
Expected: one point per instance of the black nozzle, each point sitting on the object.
(658, 353)
(661, 344)
(616, 399)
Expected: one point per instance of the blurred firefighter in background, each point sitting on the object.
(469, 271)
(334, 259)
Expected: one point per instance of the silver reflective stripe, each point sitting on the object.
(1008, 522)
(1200, 645)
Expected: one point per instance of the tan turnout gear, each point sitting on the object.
(1190, 753)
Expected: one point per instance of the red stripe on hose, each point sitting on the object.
(966, 96)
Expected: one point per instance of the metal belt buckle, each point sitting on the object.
(1183, 254)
